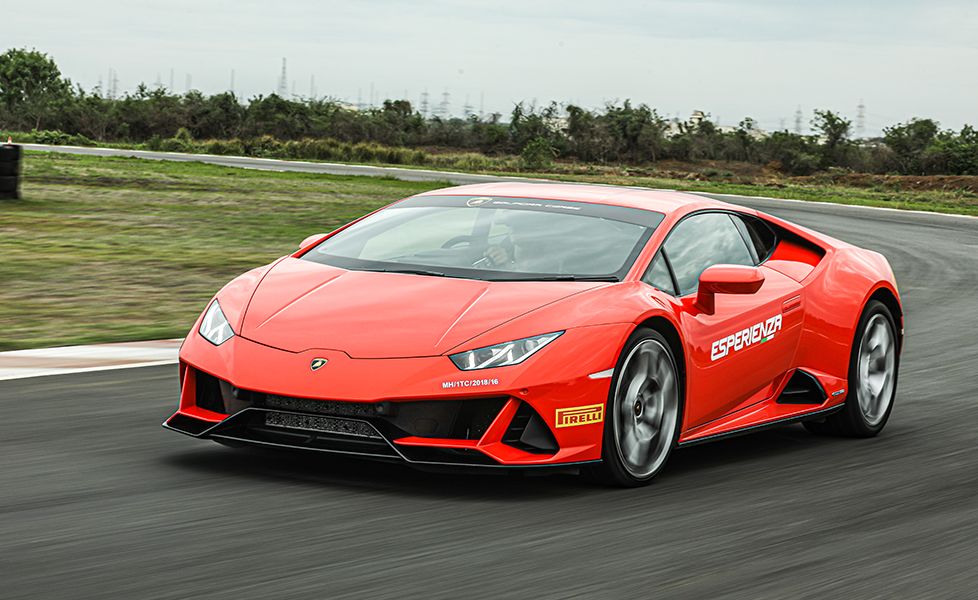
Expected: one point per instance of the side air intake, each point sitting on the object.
(802, 388)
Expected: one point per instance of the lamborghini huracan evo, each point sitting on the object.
(531, 325)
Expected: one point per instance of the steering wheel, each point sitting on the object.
(457, 240)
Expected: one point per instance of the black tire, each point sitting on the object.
(9, 169)
(9, 187)
(9, 153)
(612, 469)
(852, 420)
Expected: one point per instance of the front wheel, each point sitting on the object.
(873, 368)
(644, 407)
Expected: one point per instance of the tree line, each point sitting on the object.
(36, 97)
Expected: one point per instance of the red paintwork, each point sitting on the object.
(387, 335)
(383, 315)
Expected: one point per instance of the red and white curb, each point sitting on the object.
(17, 364)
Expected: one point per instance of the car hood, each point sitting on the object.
(301, 305)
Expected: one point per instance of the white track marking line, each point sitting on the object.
(40, 362)
(7, 375)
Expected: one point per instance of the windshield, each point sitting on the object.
(493, 239)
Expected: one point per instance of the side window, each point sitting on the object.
(658, 275)
(701, 241)
(759, 235)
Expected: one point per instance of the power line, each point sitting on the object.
(798, 119)
(861, 119)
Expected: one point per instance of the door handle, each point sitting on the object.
(791, 304)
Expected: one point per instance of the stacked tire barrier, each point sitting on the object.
(10, 171)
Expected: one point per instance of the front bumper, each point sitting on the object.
(421, 411)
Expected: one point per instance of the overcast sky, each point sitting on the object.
(762, 58)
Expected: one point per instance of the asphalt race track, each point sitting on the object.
(272, 164)
(98, 501)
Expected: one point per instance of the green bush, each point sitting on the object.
(154, 143)
(263, 146)
(174, 145)
(81, 140)
(55, 137)
(538, 154)
(224, 147)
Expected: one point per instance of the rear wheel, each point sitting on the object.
(643, 412)
(873, 368)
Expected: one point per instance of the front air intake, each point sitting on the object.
(528, 432)
(208, 393)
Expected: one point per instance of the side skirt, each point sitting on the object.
(755, 428)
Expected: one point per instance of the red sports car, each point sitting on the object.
(540, 325)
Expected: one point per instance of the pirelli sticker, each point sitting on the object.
(580, 415)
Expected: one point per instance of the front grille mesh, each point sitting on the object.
(323, 424)
(324, 407)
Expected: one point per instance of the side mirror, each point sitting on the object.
(726, 279)
(309, 240)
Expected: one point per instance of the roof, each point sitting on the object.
(664, 201)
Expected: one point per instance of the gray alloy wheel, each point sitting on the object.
(645, 410)
(874, 364)
(876, 369)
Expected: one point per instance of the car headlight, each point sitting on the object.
(502, 355)
(215, 327)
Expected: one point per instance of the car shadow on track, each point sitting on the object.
(687, 467)
(329, 471)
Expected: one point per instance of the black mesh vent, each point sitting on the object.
(266, 427)
(451, 419)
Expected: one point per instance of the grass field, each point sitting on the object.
(944, 201)
(116, 249)
(122, 249)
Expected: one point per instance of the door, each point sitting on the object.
(738, 354)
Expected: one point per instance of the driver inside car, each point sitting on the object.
(522, 248)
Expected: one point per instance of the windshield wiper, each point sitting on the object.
(559, 278)
(409, 272)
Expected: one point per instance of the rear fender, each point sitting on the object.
(834, 301)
